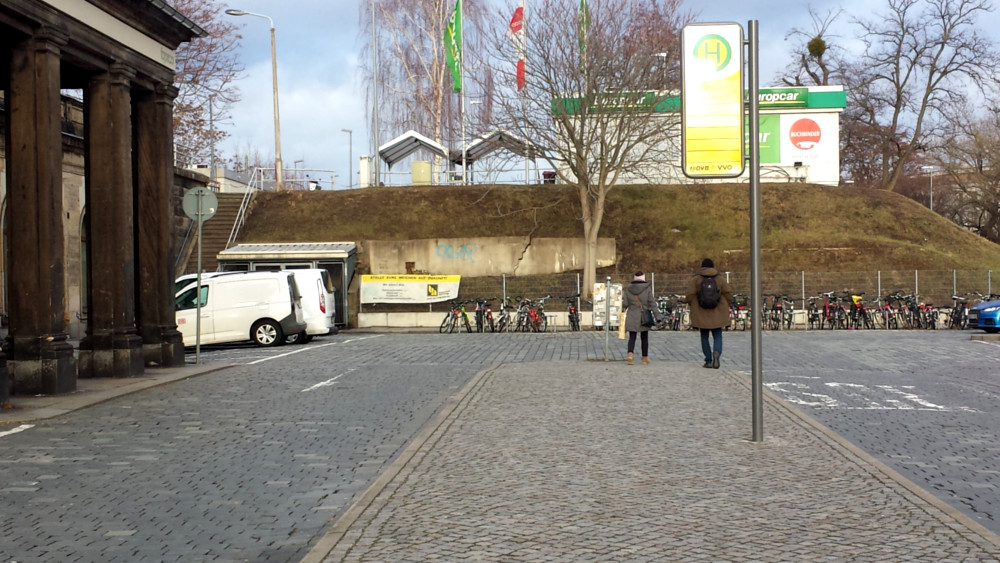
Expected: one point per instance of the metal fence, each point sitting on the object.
(930, 286)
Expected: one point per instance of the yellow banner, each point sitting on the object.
(409, 288)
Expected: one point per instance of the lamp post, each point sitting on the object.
(663, 67)
(279, 175)
(350, 157)
(930, 170)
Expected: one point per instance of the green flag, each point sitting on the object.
(453, 45)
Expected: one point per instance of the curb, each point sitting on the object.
(343, 523)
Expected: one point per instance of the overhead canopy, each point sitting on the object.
(493, 142)
(407, 144)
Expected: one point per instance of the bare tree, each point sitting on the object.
(970, 191)
(207, 68)
(590, 103)
(919, 59)
(415, 88)
(817, 59)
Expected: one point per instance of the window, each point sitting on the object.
(188, 300)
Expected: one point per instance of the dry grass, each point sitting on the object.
(657, 228)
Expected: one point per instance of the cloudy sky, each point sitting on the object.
(318, 47)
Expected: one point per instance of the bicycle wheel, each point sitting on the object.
(502, 323)
(574, 322)
(444, 324)
(465, 322)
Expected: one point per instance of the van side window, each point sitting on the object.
(188, 299)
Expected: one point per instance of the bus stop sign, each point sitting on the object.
(712, 100)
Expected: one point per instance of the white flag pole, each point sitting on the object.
(461, 68)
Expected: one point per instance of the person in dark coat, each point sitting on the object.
(636, 297)
(710, 321)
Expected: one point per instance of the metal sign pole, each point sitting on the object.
(607, 315)
(197, 291)
(756, 300)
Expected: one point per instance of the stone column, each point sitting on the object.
(40, 360)
(112, 347)
(162, 343)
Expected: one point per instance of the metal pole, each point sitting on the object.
(932, 191)
(375, 95)
(211, 132)
(279, 173)
(350, 157)
(461, 63)
(803, 273)
(954, 283)
(756, 300)
(197, 291)
(607, 315)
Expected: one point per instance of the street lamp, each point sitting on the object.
(350, 158)
(279, 174)
(930, 170)
(663, 66)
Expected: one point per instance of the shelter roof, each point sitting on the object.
(492, 142)
(407, 144)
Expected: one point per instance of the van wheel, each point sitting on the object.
(266, 333)
(299, 338)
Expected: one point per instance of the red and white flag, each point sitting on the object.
(516, 30)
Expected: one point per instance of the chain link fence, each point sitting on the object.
(931, 286)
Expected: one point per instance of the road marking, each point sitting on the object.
(854, 396)
(20, 428)
(312, 348)
(328, 382)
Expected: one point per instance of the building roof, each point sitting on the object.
(286, 250)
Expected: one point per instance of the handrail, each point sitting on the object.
(252, 188)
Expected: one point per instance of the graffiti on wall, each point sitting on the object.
(463, 253)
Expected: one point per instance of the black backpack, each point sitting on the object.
(708, 293)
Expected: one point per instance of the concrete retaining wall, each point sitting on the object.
(484, 256)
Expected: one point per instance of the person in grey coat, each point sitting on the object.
(636, 297)
(710, 321)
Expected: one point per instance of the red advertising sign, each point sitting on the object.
(804, 134)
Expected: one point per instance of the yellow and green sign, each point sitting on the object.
(712, 100)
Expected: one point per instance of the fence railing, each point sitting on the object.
(930, 286)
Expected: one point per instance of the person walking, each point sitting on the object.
(638, 297)
(709, 296)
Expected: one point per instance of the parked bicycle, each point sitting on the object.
(484, 315)
(456, 318)
(573, 312)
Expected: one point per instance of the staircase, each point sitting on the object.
(214, 235)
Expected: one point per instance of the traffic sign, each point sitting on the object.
(712, 144)
(200, 203)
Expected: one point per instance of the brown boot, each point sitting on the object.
(630, 362)
(645, 359)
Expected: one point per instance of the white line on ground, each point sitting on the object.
(20, 428)
(328, 382)
(311, 348)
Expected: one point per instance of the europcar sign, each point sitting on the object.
(712, 100)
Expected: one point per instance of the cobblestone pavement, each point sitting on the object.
(586, 461)
(253, 463)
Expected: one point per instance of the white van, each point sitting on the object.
(319, 303)
(265, 307)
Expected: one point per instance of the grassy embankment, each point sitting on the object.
(665, 229)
